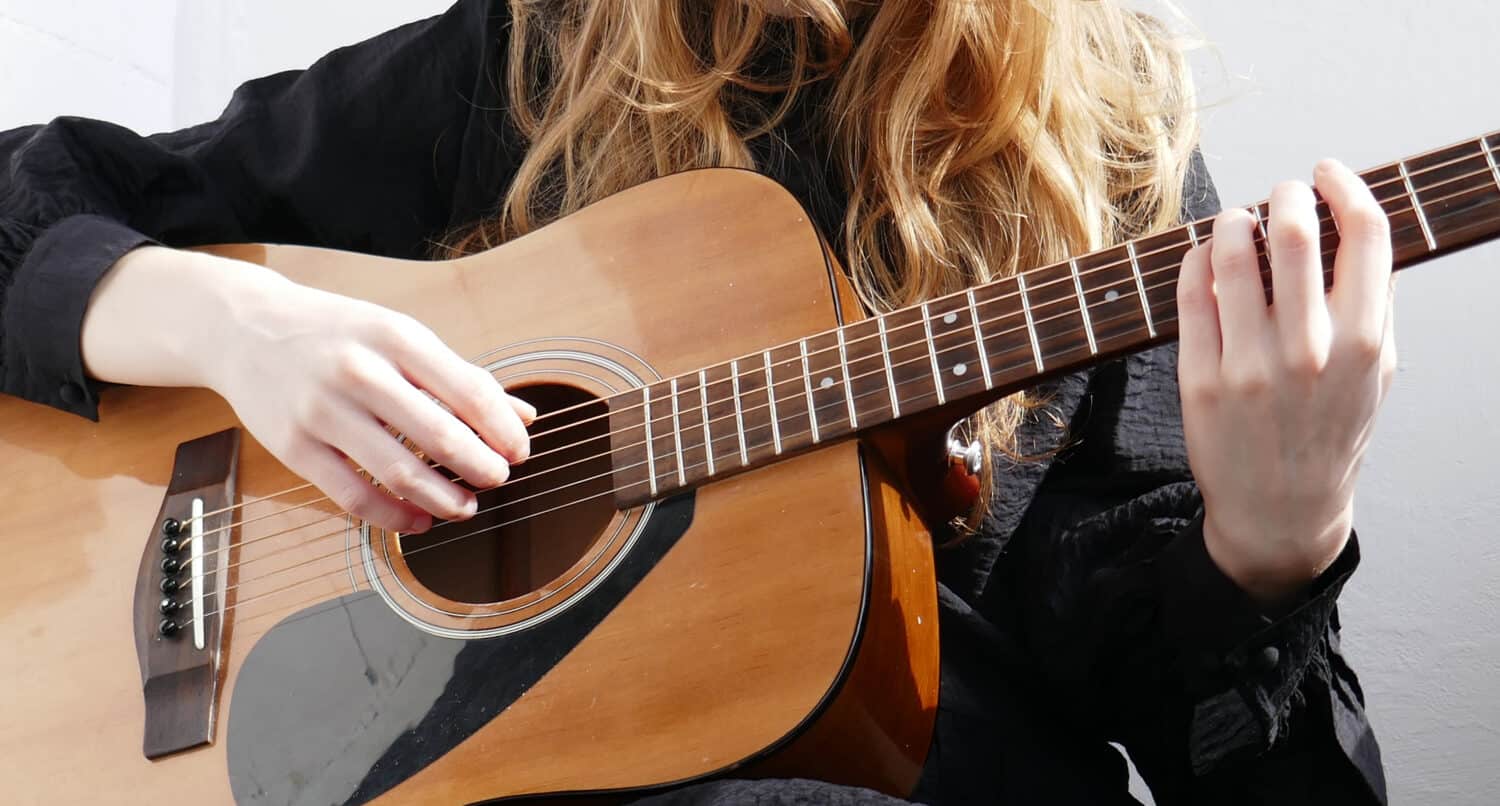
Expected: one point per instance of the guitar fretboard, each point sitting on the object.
(970, 348)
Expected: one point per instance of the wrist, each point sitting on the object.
(231, 296)
(164, 317)
(1273, 568)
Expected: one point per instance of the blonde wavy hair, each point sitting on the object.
(974, 138)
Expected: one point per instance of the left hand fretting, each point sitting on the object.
(1278, 401)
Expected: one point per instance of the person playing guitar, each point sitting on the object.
(1163, 538)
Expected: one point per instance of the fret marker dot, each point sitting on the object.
(949, 319)
(960, 368)
(1111, 295)
(826, 383)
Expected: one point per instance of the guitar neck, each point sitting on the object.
(964, 350)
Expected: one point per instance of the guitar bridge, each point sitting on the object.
(179, 595)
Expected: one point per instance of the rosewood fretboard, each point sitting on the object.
(970, 348)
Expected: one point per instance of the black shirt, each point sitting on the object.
(1087, 609)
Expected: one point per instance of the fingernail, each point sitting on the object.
(420, 524)
(528, 414)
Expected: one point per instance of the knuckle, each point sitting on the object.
(1368, 221)
(1363, 345)
(446, 443)
(1388, 364)
(1199, 393)
(477, 392)
(399, 477)
(394, 329)
(449, 443)
(1248, 381)
(351, 496)
(1194, 294)
(1303, 362)
(352, 369)
(312, 414)
(1297, 234)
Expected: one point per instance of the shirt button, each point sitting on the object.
(1267, 659)
(71, 394)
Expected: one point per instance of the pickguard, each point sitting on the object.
(343, 701)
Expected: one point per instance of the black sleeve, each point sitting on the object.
(1144, 641)
(358, 152)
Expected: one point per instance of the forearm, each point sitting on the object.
(161, 317)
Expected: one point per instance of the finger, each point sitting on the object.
(1198, 323)
(1362, 267)
(524, 410)
(353, 493)
(1300, 310)
(436, 431)
(470, 391)
(400, 470)
(1237, 283)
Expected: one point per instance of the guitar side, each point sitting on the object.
(790, 629)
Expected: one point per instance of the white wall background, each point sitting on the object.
(1286, 82)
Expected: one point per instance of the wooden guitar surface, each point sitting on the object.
(782, 621)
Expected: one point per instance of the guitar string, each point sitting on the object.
(496, 526)
(880, 392)
(343, 570)
(1065, 299)
(964, 343)
(1485, 154)
(1062, 280)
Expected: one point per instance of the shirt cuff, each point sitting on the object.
(1205, 611)
(43, 312)
(1245, 666)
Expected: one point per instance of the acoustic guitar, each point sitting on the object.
(716, 561)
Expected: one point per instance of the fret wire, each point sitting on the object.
(984, 355)
(1193, 234)
(1140, 287)
(1325, 254)
(937, 375)
(650, 457)
(1260, 225)
(890, 377)
(677, 436)
(771, 396)
(1036, 347)
(1083, 307)
(1416, 205)
(838, 332)
(1159, 271)
(1489, 157)
(708, 440)
(848, 389)
(812, 408)
(739, 416)
(1192, 231)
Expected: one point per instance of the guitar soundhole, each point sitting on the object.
(539, 524)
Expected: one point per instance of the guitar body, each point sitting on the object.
(779, 622)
